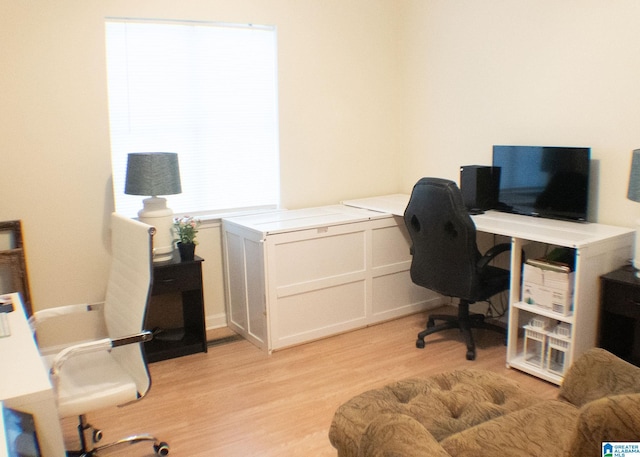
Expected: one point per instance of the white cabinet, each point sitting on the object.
(598, 249)
(295, 276)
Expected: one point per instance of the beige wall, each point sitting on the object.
(338, 119)
(373, 94)
(539, 72)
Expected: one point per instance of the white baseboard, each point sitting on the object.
(215, 321)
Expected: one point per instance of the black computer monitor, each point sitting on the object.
(543, 181)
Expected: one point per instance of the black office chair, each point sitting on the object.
(446, 258)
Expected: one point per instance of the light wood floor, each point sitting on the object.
(237, 401)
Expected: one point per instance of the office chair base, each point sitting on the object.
(160, 447)
(463, 321)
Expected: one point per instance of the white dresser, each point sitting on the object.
(293, 276)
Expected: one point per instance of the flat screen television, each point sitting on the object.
(551, 182)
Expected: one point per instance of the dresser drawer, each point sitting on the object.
(172, 278)
(621, 299)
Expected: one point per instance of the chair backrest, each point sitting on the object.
(129, 291)
(443, 237)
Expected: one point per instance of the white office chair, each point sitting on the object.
(112, 371)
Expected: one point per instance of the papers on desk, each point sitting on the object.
(5, 329)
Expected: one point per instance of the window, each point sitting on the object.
(206, 91)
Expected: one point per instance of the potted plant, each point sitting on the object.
(186, 228)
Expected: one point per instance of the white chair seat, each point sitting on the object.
(90, 382)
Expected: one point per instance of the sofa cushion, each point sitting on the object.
(443, 404)
(538, 431)
(614, 418)
(596, 374)
(391, 435)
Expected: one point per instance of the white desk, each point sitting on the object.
(599, 249)
(25, 384)
(551, 231)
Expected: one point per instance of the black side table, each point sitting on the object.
(176, 310)
(620, 318)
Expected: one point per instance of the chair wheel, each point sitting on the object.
(420, 343)
(471, 355)
(161, 448)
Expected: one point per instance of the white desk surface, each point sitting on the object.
(393, 204)
(551, 231)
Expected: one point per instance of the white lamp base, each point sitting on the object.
(156, 213)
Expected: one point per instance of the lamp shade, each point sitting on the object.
(634, 177)
(152, 173)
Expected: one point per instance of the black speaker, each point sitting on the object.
(479, 185)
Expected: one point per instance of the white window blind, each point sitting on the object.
(206, 91)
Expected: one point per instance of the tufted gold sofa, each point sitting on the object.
(474, 413)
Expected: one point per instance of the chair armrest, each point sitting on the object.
(39, 317)
(78, 349)
(398, 435)
(141, 337)
(493, 253)
(105, 344)
(596, 374)
(614, 418)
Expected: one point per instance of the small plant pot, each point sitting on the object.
(187, 251)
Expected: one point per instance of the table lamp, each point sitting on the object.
(634, 194)
(153, 174)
